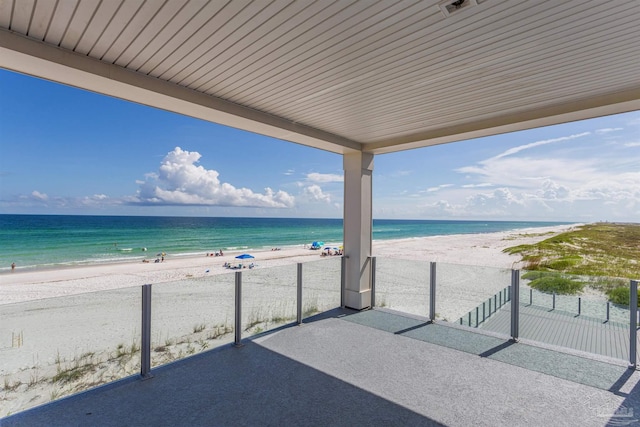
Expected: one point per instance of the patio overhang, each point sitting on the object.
(346, 76)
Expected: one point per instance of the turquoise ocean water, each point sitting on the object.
(46, 241)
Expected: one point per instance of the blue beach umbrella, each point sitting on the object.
(245, 256)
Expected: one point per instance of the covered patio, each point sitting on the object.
(377, 368)
(360, 79)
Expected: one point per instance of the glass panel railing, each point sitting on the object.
(588, 303)
(473, 296)
(191, 316)
(320, 286)
(54, 347)
(583, 320)
(402, 285)
(268, 298)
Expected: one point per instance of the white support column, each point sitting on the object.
(358, 169)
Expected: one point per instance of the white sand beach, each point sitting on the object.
(65, 330)
(466, 249)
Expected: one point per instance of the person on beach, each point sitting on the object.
(13, 266)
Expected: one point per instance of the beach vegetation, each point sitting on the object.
(606, 284)
(190, 348)
(203, 344)
(620, 296)
(160, 349)
(9, 385)
(55, 394)
(120, 351)
(553, 283)
(34, 377)
(73, 373)
(58, 361)
(219, 331)
(135, 347)
(381, 301)
(199, 328)
(599, 249)
(310, 310)
(564, 263)
(521, 235)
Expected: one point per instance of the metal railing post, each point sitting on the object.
(633, 322)
(145, 341)
(299, 295)
(373, 281)
(238, 309)
(477, 316)
(515, 304)
(432, 291)
(579, 306)
(530, 296)
(342, 279)
(608, 306)
(554, 301)
(484, 314)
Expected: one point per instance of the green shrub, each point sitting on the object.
(620, 296)
(550, 283)
(535, 274)
(565, 263)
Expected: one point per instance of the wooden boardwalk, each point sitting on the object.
(563, 329)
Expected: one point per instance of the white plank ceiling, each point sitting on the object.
(378, 76)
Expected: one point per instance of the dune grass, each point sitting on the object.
(600, 249)
(607, 253)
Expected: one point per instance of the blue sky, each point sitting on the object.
(68, 151)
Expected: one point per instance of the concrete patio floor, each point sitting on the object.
(370, 368)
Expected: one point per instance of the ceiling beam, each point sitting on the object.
(581, 109)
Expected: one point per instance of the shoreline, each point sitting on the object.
(480, 249)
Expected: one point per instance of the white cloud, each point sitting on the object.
(519, 148)
(632, 144)
(438, 188)
(324, 177)
(607, 130)
(96, 200)
(525, 172)
(289, 172)
(481, 185)
(551, 190)
(314, 192)
(39, 196)
(497, 201)
(179, 181)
